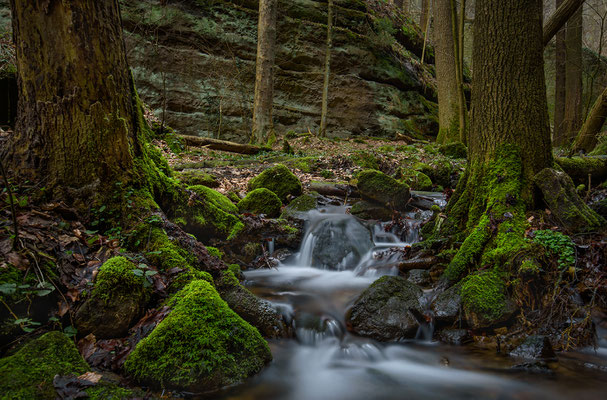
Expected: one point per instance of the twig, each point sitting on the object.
(12, 203)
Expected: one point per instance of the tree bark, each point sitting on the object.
(446, 73)
(572, 118)
(425, 15)
(327, 75)
(264, 74)
(560, 63)
(587, 138)
(560, 18)
(223, 145)
(77, 125)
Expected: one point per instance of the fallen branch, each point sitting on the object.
(579, 168)
(223, 145)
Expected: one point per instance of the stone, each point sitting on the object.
(377, 186)
(386, 310)
(454, 150)
(371, 211)
(455, 337)
(535, 347)
(420, 277)
(302, 204)
(261, 201)
(447, 305)
(280, 180)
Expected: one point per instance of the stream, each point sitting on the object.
(338, 259)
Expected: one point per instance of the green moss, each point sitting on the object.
(439, 170)
(365, 159)
(110, 391)
(382, 188)
(417, 180)
(236, 270)
(200, 345)
(116, 275)
(261, 201)
(529, 267)
(215, 252)
(29, 373)
(454, 150)
(212, 214)
(484, 293)
(304, 164)
(280, 180)
(167, 257)
(197, 177)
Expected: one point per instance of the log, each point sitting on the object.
(587, 138)
(560, 18)
(578, 168)
(223, 145)
(334, 189)
(417, 263)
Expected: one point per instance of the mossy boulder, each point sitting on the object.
(377, 186)
(261, 201)
(484, 300)
(280, 180)
(200, 346)
(417, 180)
(211, 215)
(447, 305)
(29, 373)
(454, 150)
(385, 310)
(366, 210)
(116, 301)
(300, 205)
(439, 170)
(257, 312)
(193, 177)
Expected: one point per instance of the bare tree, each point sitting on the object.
(325, 87)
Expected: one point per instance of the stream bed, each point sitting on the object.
(338, 259)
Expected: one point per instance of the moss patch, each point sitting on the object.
(280, 180)
(376, 185)
(200, 345)
(484, 294)
(454, 150)
(261, 201)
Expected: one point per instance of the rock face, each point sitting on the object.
(200, 57)
(383, 311)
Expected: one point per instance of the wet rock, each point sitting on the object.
(280, 180)
(537, 367)
(439, 170)
(447, 305)
(257, 312)
(301, 205)
(416, 180)
(116, 301)
(566, 205)
(454, 150)
(192, 177)
(261, 201)
(385, 311)
(455, 337)
(420, 277)
(366, 210)
(384, 189)
(535, 347)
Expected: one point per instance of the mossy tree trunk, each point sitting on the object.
(264, 75)
(509, 140)
(77, 127)
(587, 138)
(560, 62)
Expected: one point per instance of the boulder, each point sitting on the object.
(366, 210)
(454, 150)
(535, 347)
(417, 180)
(377, 186)
(300, 205)
(210, 215)
(280, 180)
(386, 310)
(192, 177)
(420, 277)
(261, 201)
(200, 346)
(447, 305)
(116, 301)
(455, 337)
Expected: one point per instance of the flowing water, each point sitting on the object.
(338, 259)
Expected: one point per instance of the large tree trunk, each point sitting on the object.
(587, 138)
(572, 120)
(327, 73)
(264, 75)
(77, 125)
(560, 62)
(446, 73)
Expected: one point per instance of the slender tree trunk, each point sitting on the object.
(399, 4)
(77, 127)
(446, 73)
(587, 138)
(459, 68)
(325, 86)
(264, 75)
(560, 62)
(572, 119)
(425, 15)
(560, 17)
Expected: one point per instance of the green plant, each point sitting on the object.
(143, 271)
(557, 245)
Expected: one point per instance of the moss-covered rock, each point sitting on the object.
(193, 177)
(300, 205)
(484, 299)
(454, 150)
(280, 180)
(261, 201)
(29, 373)
(417, 180)
(383, 311)
(439, 170)
(201, 345)
(376, 185)
(366, 210)
(116, 301)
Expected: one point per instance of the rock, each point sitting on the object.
(280, 180)
(536, 367)
(535, 347)
(385, 310)
(29, 373)
(562, 199)
(299, 206)
(376, 185)
(200, 346)
(454, 150)
(257, 312)
(417, 180)
(366, 210)
(600, 207)
(420, 277)
(116, 301)
(192, 177)
(261, 201)
(455, 337)
(439, 170)
(447, 305)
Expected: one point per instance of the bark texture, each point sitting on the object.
(563, 12)
(76, 125)
(572, 119)
(327, 73)
(425, 15)
(264, 76)
(560, 63)
(587, 138)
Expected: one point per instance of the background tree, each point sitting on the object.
(264, 76)
(560, 63)
(572, 117)
(327, 72)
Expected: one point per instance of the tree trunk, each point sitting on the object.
(264, 75)
(223, 145)
(560, 17)
(398, 4)
(572, 120)
(446, 73)
(327, 74)
(560, 62)
(77, 125)
(425, 15)
(587, 138)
